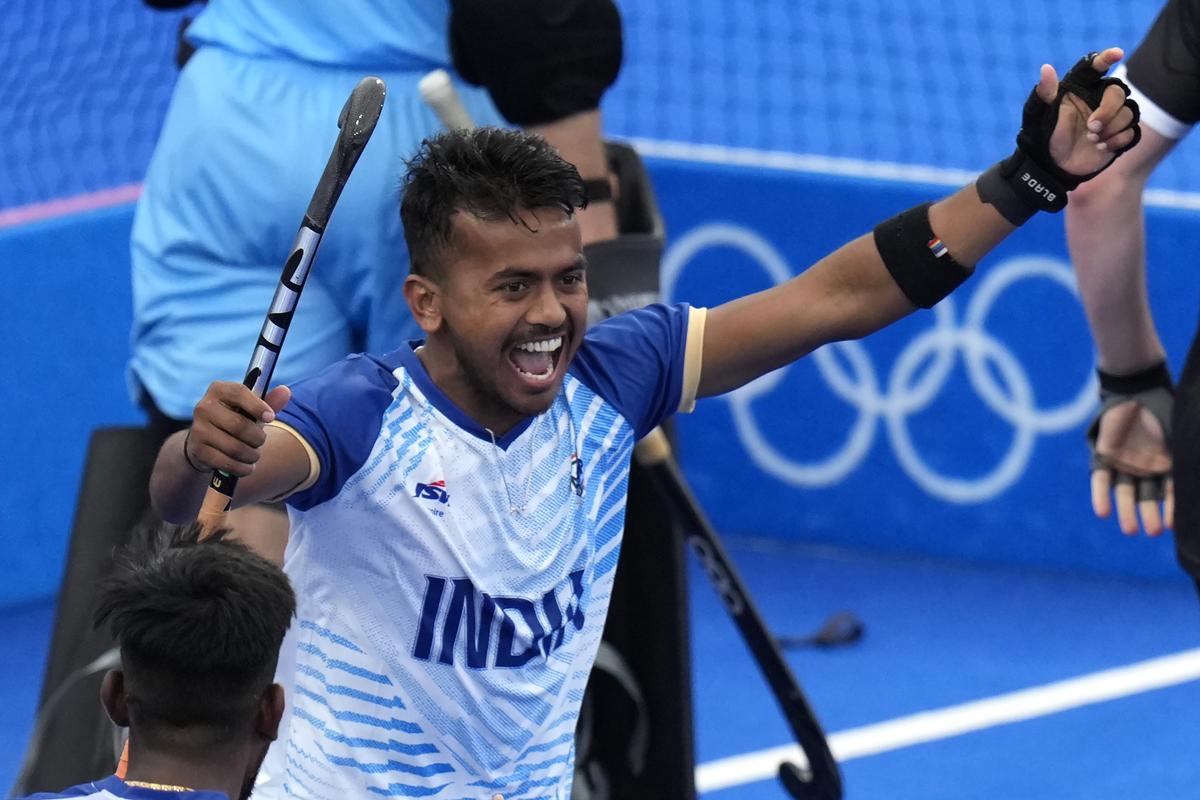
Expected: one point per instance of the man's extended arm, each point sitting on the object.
(846, 295)
(918, 257)
(1106, 237)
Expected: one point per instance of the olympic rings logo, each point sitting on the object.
(911, 386)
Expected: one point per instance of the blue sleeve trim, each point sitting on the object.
(635, 362)
(339, 412)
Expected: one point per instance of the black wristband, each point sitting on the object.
(920, 264)
(1153, 377)
(1018, 188)
(188, 458)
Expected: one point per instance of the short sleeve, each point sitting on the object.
(338, 414)
(646, 362)
(1163, 72)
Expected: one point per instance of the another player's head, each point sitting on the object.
(199, 625)
(497, 280)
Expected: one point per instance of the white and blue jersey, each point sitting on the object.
(453, 587)
(113, 788)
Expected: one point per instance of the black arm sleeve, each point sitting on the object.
(541, 60)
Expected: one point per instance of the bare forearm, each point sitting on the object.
(866, 295)
(1106, 237)
(176, 488)
(970, 227)
(847, 295)
(863, 293)
(877, 279)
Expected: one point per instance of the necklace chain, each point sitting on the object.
(513, 507)
(162, 787)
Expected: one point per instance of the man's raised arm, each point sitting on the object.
(1070, 132)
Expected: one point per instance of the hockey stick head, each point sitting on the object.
(356, 123)
(799, 784)
(361, 112)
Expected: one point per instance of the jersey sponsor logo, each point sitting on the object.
(499, 632)
(433, 491)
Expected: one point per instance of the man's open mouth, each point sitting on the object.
(536, 360)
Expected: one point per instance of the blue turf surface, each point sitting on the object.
(24, 630)
(938, 634)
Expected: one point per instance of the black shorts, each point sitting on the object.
(1165, 67)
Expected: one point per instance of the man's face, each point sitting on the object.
(513, 312)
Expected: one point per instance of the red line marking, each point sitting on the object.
(65, 206)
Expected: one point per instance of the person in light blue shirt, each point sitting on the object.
(249, 128)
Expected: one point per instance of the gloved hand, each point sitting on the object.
(1070, 132)
(1129, 439)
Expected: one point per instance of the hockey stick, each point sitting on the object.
(356, 123)
(823, 780)
(438, 92)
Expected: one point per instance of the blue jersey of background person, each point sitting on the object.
(249, 129)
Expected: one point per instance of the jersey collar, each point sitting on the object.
(413, 366)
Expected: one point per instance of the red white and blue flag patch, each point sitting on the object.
(938, 248)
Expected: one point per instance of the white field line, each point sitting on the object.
(928, 726)
(853, 168)
(678, 151)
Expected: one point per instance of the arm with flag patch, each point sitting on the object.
(919, 256)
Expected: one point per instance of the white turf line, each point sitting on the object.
(928, 726)
(676, 151)
(853, 167)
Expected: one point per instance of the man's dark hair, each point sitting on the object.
(491, 173)
(199, 624)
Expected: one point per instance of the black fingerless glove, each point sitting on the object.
(1029, 181)
(1151, 388)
